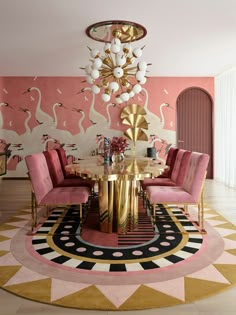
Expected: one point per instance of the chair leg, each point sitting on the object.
(201, 214)
(33, 211)
(154, 212)
(81, 213)
(145, 199)
(48, 208)
(143, 194)
(186, 209)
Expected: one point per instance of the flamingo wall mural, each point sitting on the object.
(161, 147)
(41, 113)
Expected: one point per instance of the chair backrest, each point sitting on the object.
(180, 167)
(39, 175)
(171, 154)
(54, 166)
(63, 159)
(195, 174)
(170, 161)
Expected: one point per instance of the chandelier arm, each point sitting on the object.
(111, 59)
(106, 69)
(131, 68)
(107, 76)
(107, 63)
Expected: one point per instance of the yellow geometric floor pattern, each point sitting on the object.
(21, 273)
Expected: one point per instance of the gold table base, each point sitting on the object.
(118, 205)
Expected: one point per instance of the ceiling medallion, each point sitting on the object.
(124, 30)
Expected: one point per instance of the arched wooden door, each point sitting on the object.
(194, 123)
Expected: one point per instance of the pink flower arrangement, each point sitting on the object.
(119, 144)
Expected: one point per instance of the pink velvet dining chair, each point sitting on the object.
(44, 194)
(177, 175)
(170, 162)
(176, 178)
(190, 193)
(63, 161)
(57, 175)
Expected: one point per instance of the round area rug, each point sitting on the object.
(177, 265)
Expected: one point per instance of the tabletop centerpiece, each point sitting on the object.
(118, 147)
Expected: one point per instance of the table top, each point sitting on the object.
(137, 168)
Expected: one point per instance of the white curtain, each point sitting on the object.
(225, 128)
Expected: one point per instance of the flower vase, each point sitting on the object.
(117, 157)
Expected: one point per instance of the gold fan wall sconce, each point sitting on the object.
(133, 115)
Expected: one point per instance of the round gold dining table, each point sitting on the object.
(118, 185)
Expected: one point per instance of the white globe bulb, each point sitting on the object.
(116, 41)
(143, 81)
(124, 96)
(142, 65)
(88, 69)
(120, 60)
(97, 63)
(137, 52)
(118, 72)
(95, 74)
(137, 88)
(89, 79)
(140, 75)
(115, 45)
(95, 89)
(106, 97)
(114, 86)
(118, 99)
(115, 49)
(131, 94)
(94, 53)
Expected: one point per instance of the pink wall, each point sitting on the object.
(26, 129)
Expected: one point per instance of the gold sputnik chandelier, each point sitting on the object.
(116, 73)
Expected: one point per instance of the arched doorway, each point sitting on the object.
(194, 123)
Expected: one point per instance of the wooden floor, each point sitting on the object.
(15, 195)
